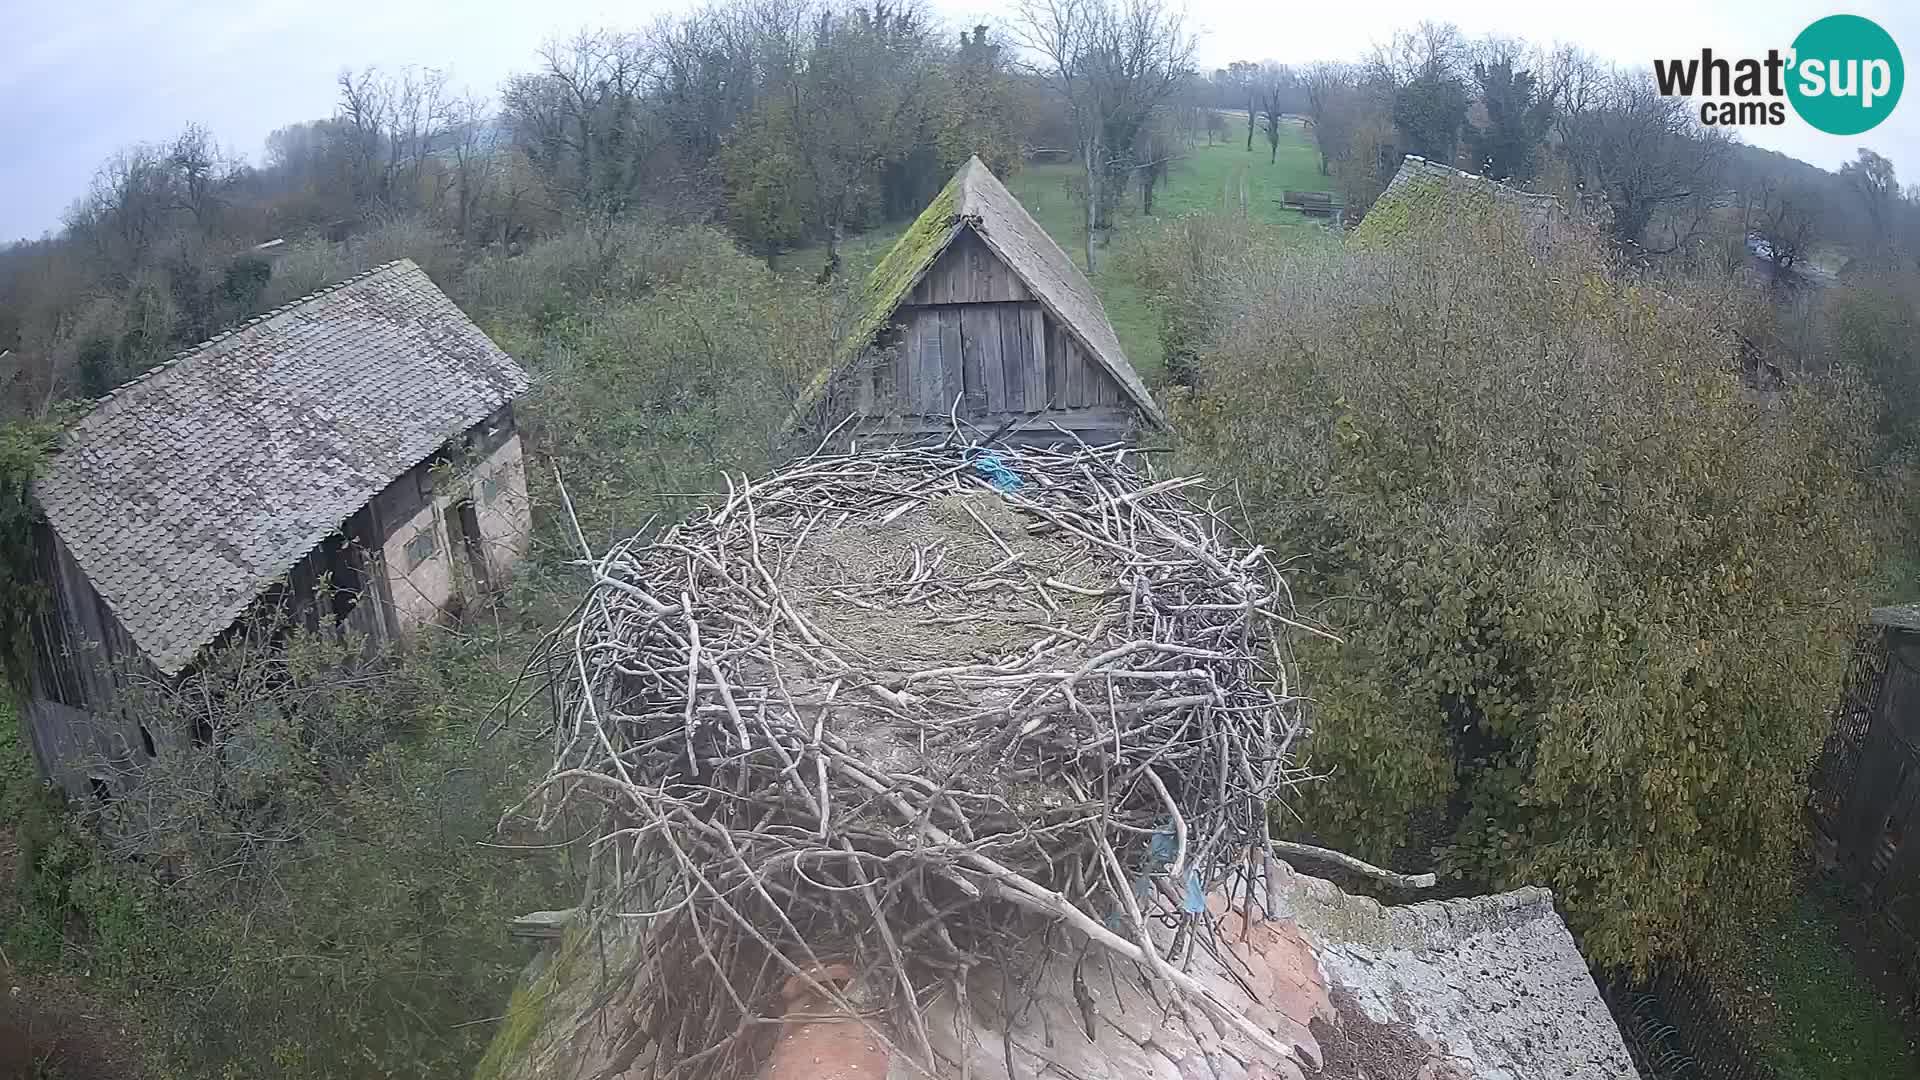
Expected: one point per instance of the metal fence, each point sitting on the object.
(1676, 1029)
(1838, 766)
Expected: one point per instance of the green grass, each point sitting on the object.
(1216, 177)
(1799, 993)
(1208, 179)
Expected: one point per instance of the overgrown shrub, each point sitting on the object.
(295, 885)
(314, 263)
(1197, 271)
(601, 263)
(1595, 596)
(682, 364)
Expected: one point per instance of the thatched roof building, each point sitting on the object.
(1423, 191)
(977, 314)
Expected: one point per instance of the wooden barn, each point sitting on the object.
(361, 438)
(976, 315)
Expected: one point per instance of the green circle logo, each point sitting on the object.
(1846, 74)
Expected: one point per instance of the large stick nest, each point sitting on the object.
(871, 715)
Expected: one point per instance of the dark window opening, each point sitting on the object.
(424, 545)
(146, 741)
(468, 522)
(102, 791)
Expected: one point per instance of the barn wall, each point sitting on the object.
(968, 272)
(499, 493)
(971, 331)
(491, 473)
(80, 648)
(420, 590)
(1006, 361)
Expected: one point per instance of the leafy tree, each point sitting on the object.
(1519, 113)
(1594, 602)
(1430, 111)
(769, 198)
(1424, 67)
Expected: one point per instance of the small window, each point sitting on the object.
(489, 489)
(146, 741)
(424, 545)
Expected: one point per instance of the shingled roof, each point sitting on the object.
(1423, 189)
(1487, 988)
(184, 494)
(976, 199)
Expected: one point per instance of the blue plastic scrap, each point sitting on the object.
(995, 471)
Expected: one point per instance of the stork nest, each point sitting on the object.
(871, 721)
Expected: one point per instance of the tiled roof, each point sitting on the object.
(1423, 189)
(1489, 987)
(187, 492)
(976, 199)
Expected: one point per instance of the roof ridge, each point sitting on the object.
(249, 323)
(1464, 174)
(1423, 924)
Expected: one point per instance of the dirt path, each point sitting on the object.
(53, 1029)
(54, 1032)
(1234, 188)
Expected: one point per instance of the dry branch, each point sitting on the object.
(871, 711)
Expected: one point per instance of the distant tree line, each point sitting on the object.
(790, 122)
(1560, 121)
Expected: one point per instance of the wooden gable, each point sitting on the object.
(971, 329)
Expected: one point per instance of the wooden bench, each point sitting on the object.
(1310, 202)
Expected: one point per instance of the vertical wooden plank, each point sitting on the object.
(1075, 369)
(1101, 387)
(922, 353)
(951, 378)
(980, 266)
(1013, 385)
(1035, 362)
(973, 359)
(864, 378)
(1056, 367)
(980, 334)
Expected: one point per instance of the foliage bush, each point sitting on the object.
(299, 888)
(683, 362)
(1595, 596)
(23, 444)
(313, 263)
(1874, 333)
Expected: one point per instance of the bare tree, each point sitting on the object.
(473, 143)
(1875, 186)
(1782, 228)
(1644, 154)
(580, 119)
(1331, 90)
(1116, 64)
(1276, 89)
(391, 123)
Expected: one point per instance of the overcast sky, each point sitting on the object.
(81, 78)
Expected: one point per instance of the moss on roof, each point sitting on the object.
(1423, 192)
(893, 279)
